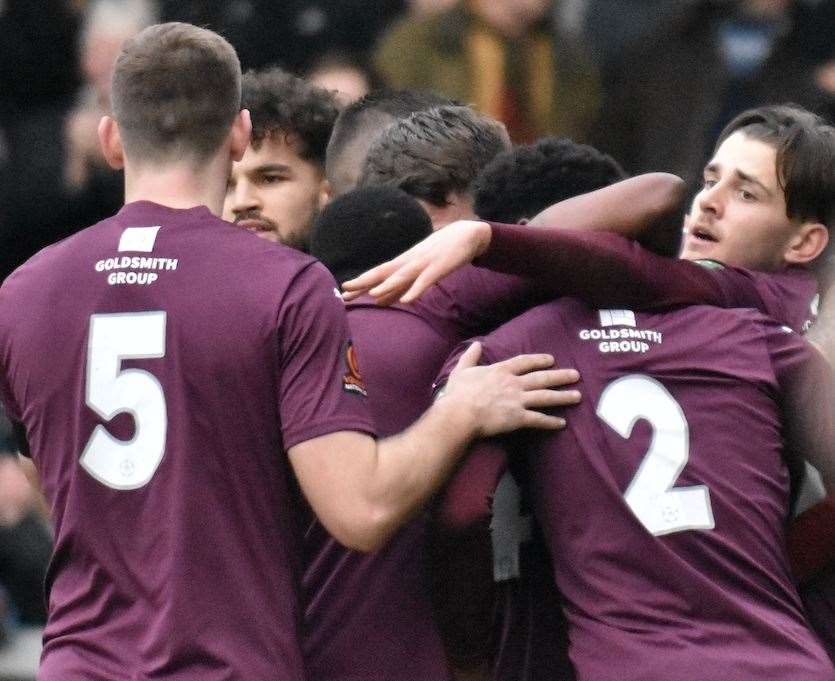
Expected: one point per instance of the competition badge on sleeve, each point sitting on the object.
(352, 380)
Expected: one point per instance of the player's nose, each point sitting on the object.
(710, 199)
(245, 198)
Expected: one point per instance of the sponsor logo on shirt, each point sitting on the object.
(135, 270)
(629, 339)
(352, 381)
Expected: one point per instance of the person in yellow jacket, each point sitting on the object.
(505, 58)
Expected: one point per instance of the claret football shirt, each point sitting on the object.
(162, 362)
(664, 501)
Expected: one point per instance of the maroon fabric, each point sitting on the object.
(194, 574)
(691, 603)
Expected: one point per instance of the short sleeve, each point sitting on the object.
(320, 385)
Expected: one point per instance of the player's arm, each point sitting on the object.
(807, 385)
(363, 490)
(811, 540)
(629, 208)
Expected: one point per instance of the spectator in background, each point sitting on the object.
(38, 76)
(504, 57)
(25, 541)
(291, 33)
(518, 184)
(435, 156)
(674, 90)
(278, 188)
(348, 77)
(358, 126)
(93, 187)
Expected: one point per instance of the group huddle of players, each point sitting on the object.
(592, 457)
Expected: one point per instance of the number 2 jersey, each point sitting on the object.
(664, 502)
(162, 362)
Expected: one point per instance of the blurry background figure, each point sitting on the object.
(25, 540)
(435, 156)
(38, 76)
(349, 78)
(668, 96)
(92, 185)
(506, 58)
(290, 33)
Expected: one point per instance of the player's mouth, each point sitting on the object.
(256, 225)
(702, 234)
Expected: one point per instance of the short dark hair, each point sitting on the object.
(526, 180)
(366, 227)
(280, 103)
(436, 152)
(176, 90)
(805, 145)
(360, 122)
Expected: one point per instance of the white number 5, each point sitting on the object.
(111, 391)
(659, 506)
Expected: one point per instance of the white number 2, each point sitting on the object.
(659, 506)
(111, 391)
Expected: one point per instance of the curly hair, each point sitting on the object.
(524, 181)
(434, 153)
(281, 103)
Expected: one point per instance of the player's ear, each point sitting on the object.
(239, 135)
(807, 244)
(110, 140)
(325, 193)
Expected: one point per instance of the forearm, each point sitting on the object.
(411, 466)
(628, 208)
(600, 268)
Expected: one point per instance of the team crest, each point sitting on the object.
(352, 380)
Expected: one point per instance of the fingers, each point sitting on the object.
(550, 378)
(536, 419)
(523, 364)
(430, 275)
(543, 399)
(397, 282)
(469, 358)
(372, 277)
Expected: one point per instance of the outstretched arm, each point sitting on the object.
(363, 491)
(629, 208)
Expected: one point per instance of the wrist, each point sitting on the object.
(483, 236)
(458, 416)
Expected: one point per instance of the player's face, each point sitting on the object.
(739, 216)
(275, 193)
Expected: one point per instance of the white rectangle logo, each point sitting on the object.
(138, 239)
(617, 318)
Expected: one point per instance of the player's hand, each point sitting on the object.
(507, 395)
(410, 274)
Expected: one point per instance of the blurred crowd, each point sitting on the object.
(650, 82)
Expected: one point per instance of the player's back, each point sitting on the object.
(664, 501)
(176, 553)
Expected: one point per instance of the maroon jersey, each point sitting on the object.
(162, 361)
(664, 501)
(368, 616)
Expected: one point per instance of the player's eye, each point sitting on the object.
(745, 195)
(708, 182)
(272, 178)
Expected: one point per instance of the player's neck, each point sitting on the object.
(177, 186)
